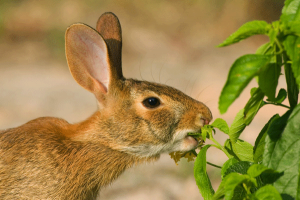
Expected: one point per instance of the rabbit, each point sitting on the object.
(136, 121)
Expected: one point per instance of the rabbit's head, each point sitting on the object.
(137, 117)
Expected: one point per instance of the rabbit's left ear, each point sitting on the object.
(88, 59)
(109, 27)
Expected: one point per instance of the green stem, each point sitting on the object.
(247, 189)
(217, 145)
(278, 104)
(292, 88)
(279, 46)
(217, 166)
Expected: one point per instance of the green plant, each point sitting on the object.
(271, 168)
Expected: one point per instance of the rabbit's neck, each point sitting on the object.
(102, 165)
(101, 160)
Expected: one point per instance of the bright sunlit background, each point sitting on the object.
(166, 41)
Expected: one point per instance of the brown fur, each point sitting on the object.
(48, 158)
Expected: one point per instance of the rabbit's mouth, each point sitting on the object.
(191, 141)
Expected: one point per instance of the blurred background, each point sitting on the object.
(166, 41)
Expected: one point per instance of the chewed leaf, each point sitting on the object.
(247, 30)
(241, 73)
(195, 134)
(190, 155)
(176, 156)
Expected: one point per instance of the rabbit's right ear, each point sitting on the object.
(88, 59)
(109, 27)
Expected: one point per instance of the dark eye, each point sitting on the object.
(151, 102)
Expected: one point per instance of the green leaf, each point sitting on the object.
(206, 131)
(233, 185)
(264, 49)
(237, 126)
(246, 30)
(253, 105)
(229, 149)
(292, 46)
(221, 124)
(273, 35)
(241, 73)
(267, 192)
(201, 177)
(233, 181)
(230, 187)
(255, 170)
(283, 152)
(226, 165)
(291, 11)
(239, 167)
(292, 88)
(243, 150)
(268, 79)
(259, 146)
(292, 27)
(282, 94)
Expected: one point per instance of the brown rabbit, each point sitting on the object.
(48, 158)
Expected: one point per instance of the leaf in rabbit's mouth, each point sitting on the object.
(196, 136)
(190, 155)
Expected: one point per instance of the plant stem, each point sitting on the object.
(217, 166)
(217, 145)
(279, 46)
(278, 104)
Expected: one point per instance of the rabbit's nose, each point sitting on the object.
(207, 116)
(204, 121)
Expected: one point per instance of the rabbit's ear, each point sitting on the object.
(109, 27)
(88, 59)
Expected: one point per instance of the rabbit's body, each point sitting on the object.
(47, 164)
(48, 158)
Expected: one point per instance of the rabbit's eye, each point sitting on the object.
(151, 102)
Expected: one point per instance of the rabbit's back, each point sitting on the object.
(29, 162)
(40, 162)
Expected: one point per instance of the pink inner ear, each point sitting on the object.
(98, 66)
(93, 54)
